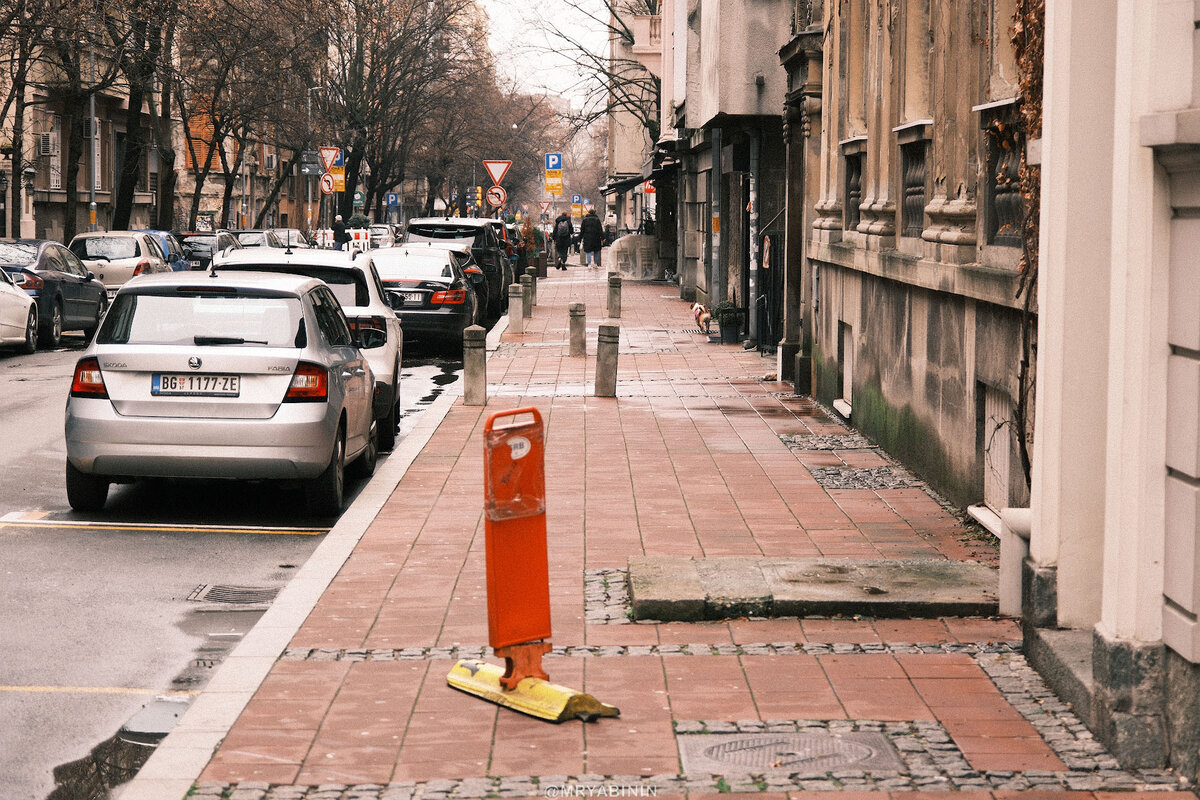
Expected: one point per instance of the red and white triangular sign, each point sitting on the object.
(329, 155)
(545, 204)
(497, 169)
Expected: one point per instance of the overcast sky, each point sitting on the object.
(520, 45)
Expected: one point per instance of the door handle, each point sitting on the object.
(345, 374)
(360, 371)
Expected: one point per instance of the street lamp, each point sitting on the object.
(28, 174)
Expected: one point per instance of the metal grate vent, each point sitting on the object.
(787, 752)
(233, 595)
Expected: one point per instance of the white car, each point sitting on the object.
(117, 256)
(18, 316)
(242, 376)
(357, 287)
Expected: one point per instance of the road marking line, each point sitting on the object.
(96, 690)
(160, 527)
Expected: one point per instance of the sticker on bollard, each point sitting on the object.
(518, 580)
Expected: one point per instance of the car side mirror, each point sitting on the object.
(18, 279)
(91, 276)
(474, 274)
(370, 338)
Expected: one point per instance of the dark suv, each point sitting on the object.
(486, 247)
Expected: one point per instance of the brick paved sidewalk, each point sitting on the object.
(701, 454)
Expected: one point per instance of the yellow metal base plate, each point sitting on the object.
(533, 696)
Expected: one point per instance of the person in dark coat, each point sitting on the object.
(591, 232)
(563, 233)
(340, 235)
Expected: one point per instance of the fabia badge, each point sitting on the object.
(195, 363)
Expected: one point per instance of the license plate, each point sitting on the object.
(194, 264)
(194, 385)
(411, 297)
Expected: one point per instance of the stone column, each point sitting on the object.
(606, 360)
(526, 296)
(578, 329)
(516, 308)
(614, 295)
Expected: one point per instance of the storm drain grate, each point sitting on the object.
(233, 595)
(865, 478)
(787, 752)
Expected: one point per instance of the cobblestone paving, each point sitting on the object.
(606, 597)
(866, 478)
(849, 441)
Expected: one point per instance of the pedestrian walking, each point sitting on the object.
(591, 232)
(340, 235)
(564, 233)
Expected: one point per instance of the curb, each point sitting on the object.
(181, 757)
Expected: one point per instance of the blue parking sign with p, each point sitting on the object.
(576, 199)
(393, 199)
(553, 160)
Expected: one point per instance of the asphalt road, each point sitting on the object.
(104, 613)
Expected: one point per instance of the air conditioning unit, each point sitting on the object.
(271, 162)
(87, 124)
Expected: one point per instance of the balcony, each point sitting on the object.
(647, 42)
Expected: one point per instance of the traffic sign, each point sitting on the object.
(326, 183)
(311, 169)
(497, 169)
(553, 161)
(330, 156)
(393, 199)
(359, 199)
(553, 185)
(576, 199)
(545, 204)
(496, 196)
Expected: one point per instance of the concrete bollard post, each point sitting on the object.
(516, 308)
(606, 360)
(475, 366)
(526, 296)
(533, 276)
(578, 329)
(614, 295)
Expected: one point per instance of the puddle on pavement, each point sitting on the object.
(117, 759)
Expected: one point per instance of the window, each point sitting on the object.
(1003, 206)
(330, 319)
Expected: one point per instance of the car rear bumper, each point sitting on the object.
(442, 324)
(295, 443)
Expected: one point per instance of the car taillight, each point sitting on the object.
(359, 323)
(27, 281)
(142, 266)
(310, 384)
(451, 297)
(88, 382)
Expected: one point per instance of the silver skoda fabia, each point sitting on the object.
(244, 375)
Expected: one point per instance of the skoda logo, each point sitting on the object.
(195, 363)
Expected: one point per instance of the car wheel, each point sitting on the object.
(90, 331)
(364, 465)
(31, 332)
(52, 333)
(387, 430)
(326, 492)
(85, 492)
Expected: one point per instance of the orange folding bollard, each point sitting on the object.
(518, 572)
(518, 579)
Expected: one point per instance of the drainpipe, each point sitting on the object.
(716, 286)
(753, 234)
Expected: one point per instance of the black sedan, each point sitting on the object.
(68, 296)
(200, 246)
(433, 296)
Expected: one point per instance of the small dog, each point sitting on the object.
(703, 317)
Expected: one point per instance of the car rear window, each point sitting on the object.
(348, 285)
(415, 267)
(194, 318)
(441, 232)
(110, 247)
(199, 245)
(16, 253)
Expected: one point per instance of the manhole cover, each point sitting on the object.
(786, 752)
(234, 595)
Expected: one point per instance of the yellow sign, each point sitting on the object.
(553, 185)
(339, 178)
(554, 173)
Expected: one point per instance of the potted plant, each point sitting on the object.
(729, 317)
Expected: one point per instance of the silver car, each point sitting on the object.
(117, 256)
(243, 375)
(358, 288)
